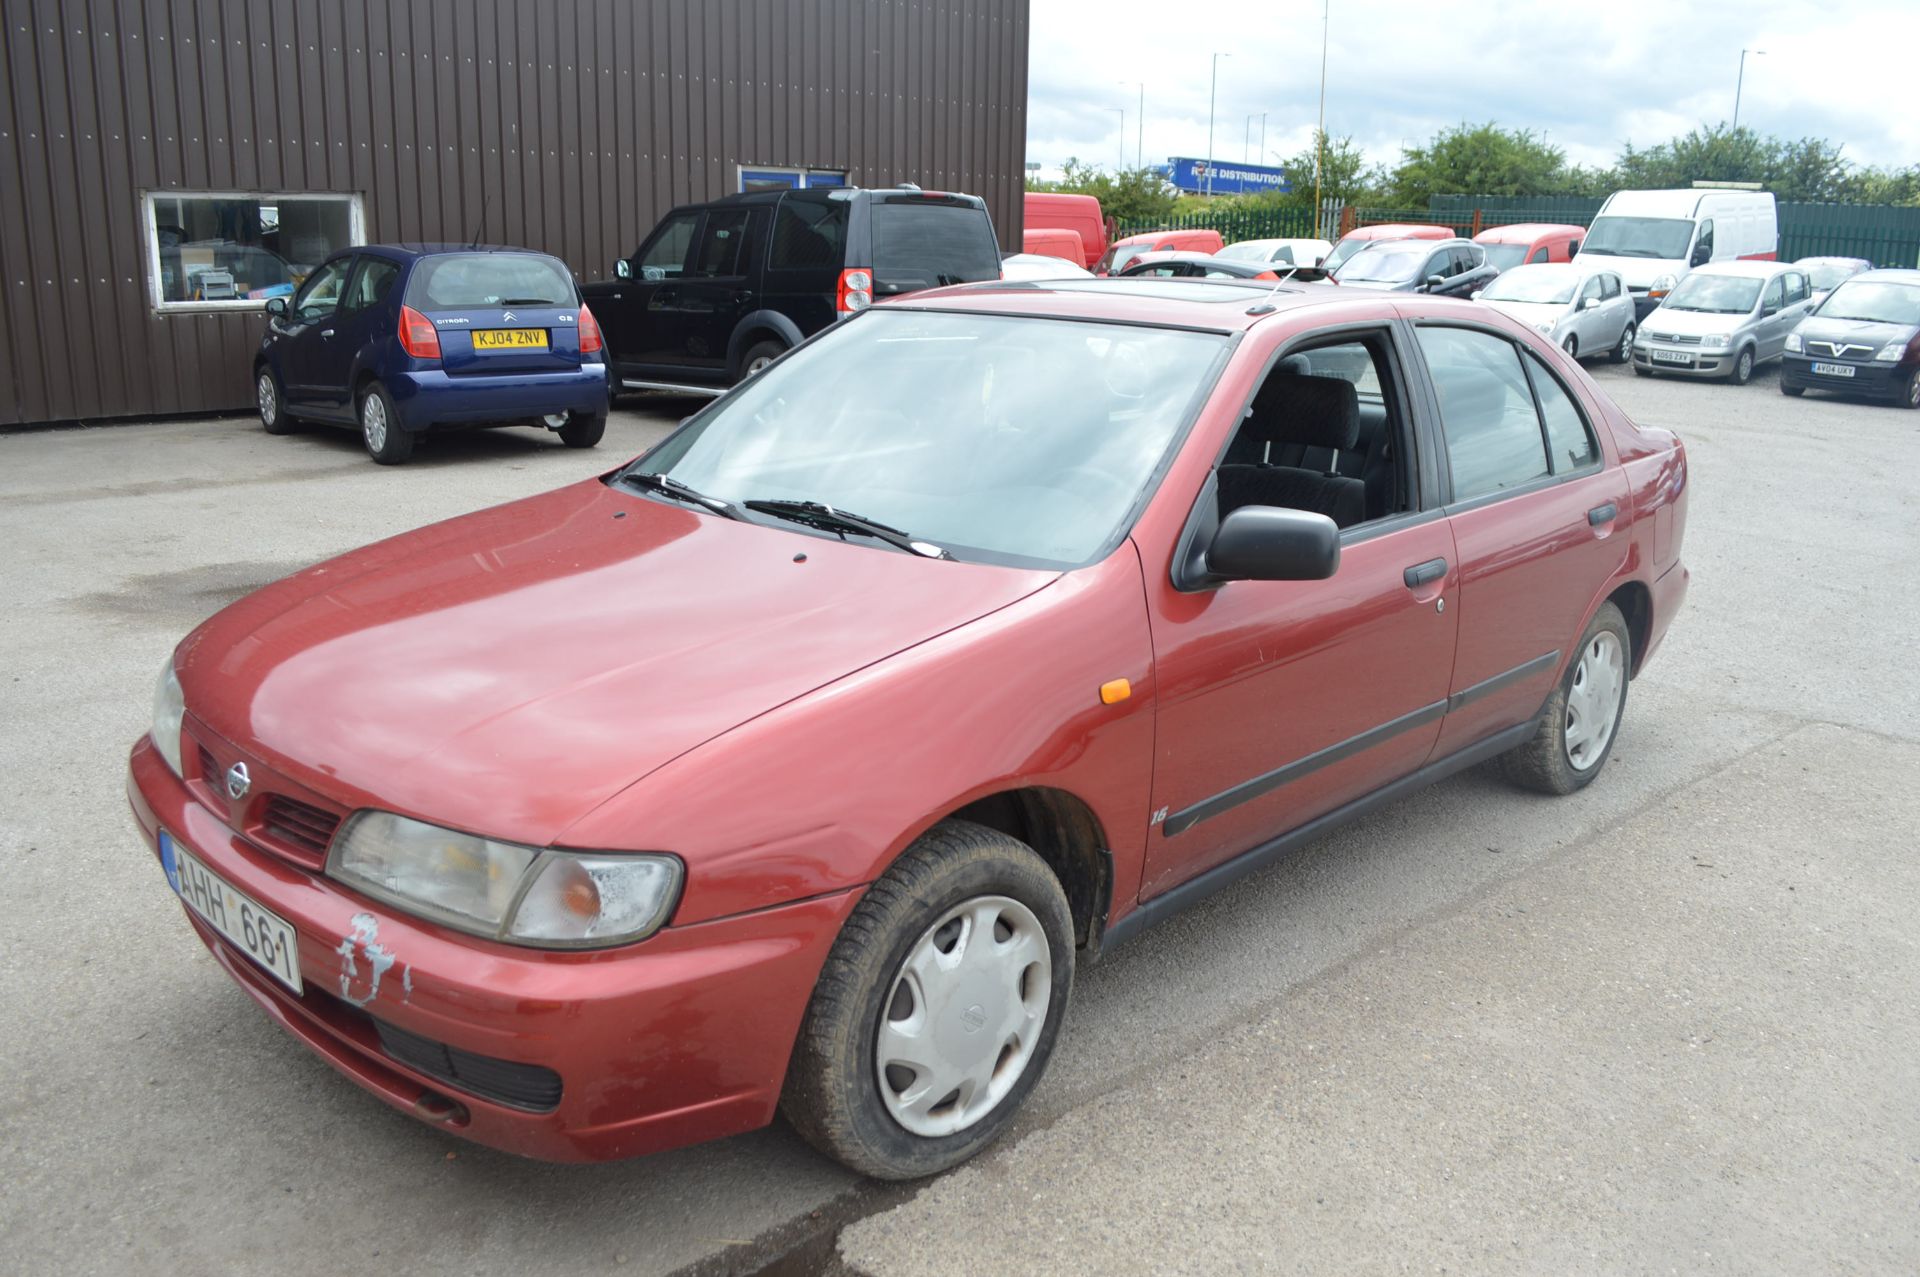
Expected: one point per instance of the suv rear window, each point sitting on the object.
(460, 280)
(923, 244)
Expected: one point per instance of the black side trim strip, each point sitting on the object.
(1245, 791)
(1489, 686)
(1194, 890)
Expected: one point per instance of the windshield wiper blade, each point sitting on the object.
(821, 515)
(667, 485)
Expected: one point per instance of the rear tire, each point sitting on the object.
(387, 441)
(1742, 371)
(1623, 350)
(272, 400)
(972, 1026)
(1581, 720)
(759, 355)
(583, 430)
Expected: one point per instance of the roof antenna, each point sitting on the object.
(1265, 305)
(473, 241)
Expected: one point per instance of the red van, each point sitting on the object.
(1530, 242)
(1361, 236)
(1123, 251)
(1081, 214)
(1066, 245)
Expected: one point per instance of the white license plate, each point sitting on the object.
(1672, 357)
(1834, 370)
(259, 933)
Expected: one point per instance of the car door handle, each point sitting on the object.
(1602, 514)
(1424, 573)
(326, 332)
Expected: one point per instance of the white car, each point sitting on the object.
(1587, 312)
(1291, 252)
(1039, 266)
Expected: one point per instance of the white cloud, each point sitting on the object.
(1589, 77)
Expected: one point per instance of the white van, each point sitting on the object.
(1652, 238)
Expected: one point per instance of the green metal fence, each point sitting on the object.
(1266, 223)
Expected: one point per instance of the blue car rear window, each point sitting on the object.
(457, 281)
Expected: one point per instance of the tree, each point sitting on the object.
(1811, 168)
(1130, 195)
(1480, 159)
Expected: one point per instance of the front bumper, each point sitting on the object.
(1874, 380)
(681, 1038)
(429, 397)
(1704, 362)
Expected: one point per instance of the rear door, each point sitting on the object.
(499, 312)
(689, 321)
(360, 319)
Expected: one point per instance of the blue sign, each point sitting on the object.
(1228, 178)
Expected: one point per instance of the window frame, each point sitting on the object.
(1436, 430)
(803, 176)
(150, 198)
(364, 262)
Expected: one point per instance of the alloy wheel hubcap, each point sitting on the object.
(373, 422)
(1746, 366)
(1593, 702)
(755, 365)
(964, 1015)
(1626, 342)
(264, 388)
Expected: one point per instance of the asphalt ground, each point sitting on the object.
(1669, 1023)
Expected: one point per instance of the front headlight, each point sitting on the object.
(502, 890)
(1544, 328)
(1893, 351)
(1717, 339)
(169, 708)
(1793, 343)
(1661, 286)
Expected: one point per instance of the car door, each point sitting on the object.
(620, 306)
(1617, 306)
(360, 318)
(1533, 502)
(1279, 701)
(1775, 320)
(690, 320)
(1590, 323)
(311, 333)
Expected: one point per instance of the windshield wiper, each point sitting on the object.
(667, 485)
(821, 515)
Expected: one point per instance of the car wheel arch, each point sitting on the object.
(1635, 602)
(756, 326)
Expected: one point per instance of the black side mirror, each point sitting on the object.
(277, 307)
(1267, 543)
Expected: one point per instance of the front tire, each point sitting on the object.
(1572, 346)
(583, 430)
(1742, 368)
(272, 401)
(938, 1007)
(388, 442)
(1623, 351)
(1910, 397)
(1582, 717)
(1791, 391)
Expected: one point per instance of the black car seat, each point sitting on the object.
(1290, 414)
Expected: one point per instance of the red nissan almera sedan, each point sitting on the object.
(797, 764)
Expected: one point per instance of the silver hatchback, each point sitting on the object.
(1724, 320)
(1586, 312)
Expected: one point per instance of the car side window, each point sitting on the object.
(1704, 244)
(808, 235)
(1538, 255)
(1609, 286)
(1591, 289)
(1441, 264)
(370, 285)
(1771, 302)
(320, 295)
(1570, 443)
(1797, 289)
(1283, 254)
(665, 255)
(1493, 435)
(720, 249)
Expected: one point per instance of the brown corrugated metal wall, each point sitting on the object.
(574, 123)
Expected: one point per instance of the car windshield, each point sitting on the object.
(1715, 294)
(1344, 249)
(1662, 237)
(1393, 264)
(1252, 250)
(998, 439)
(1874, 302)
(1542, 284)
(1120, 256)
(1827, 275)
(1506, 256)
(924, 243)
(456, 281)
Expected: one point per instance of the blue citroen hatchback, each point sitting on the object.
(401, 339)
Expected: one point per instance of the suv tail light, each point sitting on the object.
(418, 336)
(856, 290)
(589, 332)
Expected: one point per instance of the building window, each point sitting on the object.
(229, 250)
(763, 178)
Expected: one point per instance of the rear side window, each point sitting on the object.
(459, 280)
(1609, 286)
(721, 249)
(1494, 441)
(924, 244)
(1539, 255)
(809, 235)
(371, 286)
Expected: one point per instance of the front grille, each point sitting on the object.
(1840, 349)
(298, 825)
(521, 1086)
(1674, 339)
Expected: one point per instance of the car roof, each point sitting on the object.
(1578, 269)
(1824, 258)
(1744, 269)
(1423, 243)
(1889, 275)
(1526, 232)
(1399, 230)
(424, 248)
(1217, 305)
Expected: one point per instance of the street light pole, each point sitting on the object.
(1121, 111)
(1139, 124)
(1740, 81)
(1213, 88)
(1320, 132)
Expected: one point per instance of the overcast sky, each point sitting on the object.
(1590, 76)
